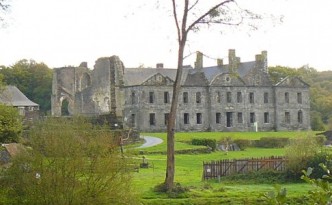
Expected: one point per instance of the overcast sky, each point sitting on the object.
(67, 32)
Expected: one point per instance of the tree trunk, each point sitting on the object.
(170, 167)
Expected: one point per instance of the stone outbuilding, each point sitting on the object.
(12, 96)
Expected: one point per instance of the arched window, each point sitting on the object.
(85, 81)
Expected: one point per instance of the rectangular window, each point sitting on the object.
(198, 97)
(185, 97)
(133, 97)
(132, 120)
(166, 115)
(286, 97)
(287, 117)
(152, 118)
(239, 117)
(251, 98)
(151, 97)
(229, 119)
(186, 118)
(266, 97)
(199, 118)
(229, 97)
(266, 117)
(239, 97)
(300, 117)
(252, 117)
(166, 97)
(218, 97)
(299, 98)
(218, 118)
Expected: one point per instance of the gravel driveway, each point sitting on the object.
(150, 141)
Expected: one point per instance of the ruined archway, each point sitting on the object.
(85, 81)
(64, 108)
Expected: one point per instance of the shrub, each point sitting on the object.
(205, 142)
(320, 139)
(315, 161)
(242, 143)
(299, 152)
(177, 192)
(70, 162)
(272, 142)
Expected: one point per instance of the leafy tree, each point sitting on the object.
(10, 124)
(33, 79)
(192, 16)
(70, 162)
(316, 122)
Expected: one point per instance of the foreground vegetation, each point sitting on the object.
(246, 189)
(74, 162)
(68, 161)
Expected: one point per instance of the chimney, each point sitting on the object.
(199, 60)
(220, 62)
(261, 61)
(264, 55)
(232, 60)
(160, 65)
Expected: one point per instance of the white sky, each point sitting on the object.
(67, 32)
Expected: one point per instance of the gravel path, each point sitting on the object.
(150, 141)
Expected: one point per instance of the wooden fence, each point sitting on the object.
(216, 169)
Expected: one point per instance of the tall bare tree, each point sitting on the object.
(193, 15)
(4, 6)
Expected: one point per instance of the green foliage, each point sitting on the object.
(276, 197)
(212, 143)
(70, 162)
(259, 177)
(178, 191)
(242, 143)
(317, 123)
(10, 124)
(299, 153)
(271, 142)
(316, 161)
(322, 192)
(33, 79)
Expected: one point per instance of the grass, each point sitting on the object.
(188, 172)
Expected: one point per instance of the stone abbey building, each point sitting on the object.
(234, 97)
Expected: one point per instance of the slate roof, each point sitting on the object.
(243, 69)
(11, 95)
(137, 76)
(190, 76)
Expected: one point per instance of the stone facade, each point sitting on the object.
(234, 97)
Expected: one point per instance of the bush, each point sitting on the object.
(70, 162)
(315, 161)
(320, 140)
(178, 190)
(242, 143)
(205, 142)
(271, 142)
(299, 152)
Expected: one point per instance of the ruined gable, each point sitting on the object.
(227, 79)
(158, 80)
(293, 82)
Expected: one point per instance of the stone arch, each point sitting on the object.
(85, 81)
(65, 106)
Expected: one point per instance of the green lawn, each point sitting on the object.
(189, 172)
